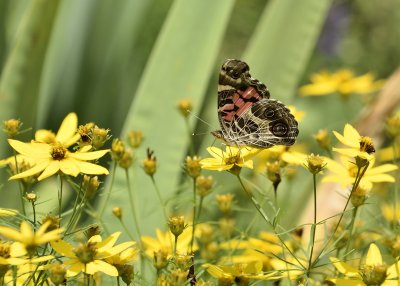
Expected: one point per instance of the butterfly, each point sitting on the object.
(247, 115)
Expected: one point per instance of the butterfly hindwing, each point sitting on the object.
(246, 114)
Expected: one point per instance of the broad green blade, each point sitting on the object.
(179, 67)
(283, 41)
(19, 83)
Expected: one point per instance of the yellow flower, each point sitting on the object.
(373, 272)
(298, 115)
(165, 241)
(389, 212)
(23, 275)
(124, 257)
(240, 272)
(91, 257)
(28, 239)
(67, 134)
(346, 173)
(14, 254)
(231, 157)
(360, 146)
(51, 158)
(343, 82)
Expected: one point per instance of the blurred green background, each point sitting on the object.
(125, 64)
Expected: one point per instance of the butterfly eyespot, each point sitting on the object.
(279, 129)
(269, 113)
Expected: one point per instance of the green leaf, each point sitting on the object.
(179, 67)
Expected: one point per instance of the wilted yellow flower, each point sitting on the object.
(135, 138)
(11, 127)
(225, 202)
(193, 166)
(315, 164)
(150, 163)
(185, 107)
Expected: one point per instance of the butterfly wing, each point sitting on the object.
(266, 123)
(243, 106)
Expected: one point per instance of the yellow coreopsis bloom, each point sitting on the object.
(231, 157)
(24, 276)
(52, 158)
(343, 82)
(67, 134)
(165, 242)
(240, 272)
(373, 272)
(346, 172)
(91, 257)
(28, 239)
(360, 146)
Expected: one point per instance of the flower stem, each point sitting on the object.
(175, 244)
(133, 208)
(357, 180)
(200, 208)
(194, 214)
(114, 167)
(60, 191)
(262, 213)
(395, 199)
(34, 215)
(353, 219)
(159, 198)
(313, 229)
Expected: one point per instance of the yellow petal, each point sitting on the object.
(102, 266)
(119, 248)
(109, 241)
(351, 136)
(76, 268)
(36, 150)
(320, 88)
(63, 248)
(382, 169)
(32, 171)
(42, 228)
(216, 152)
(10, 233)
(92, 169)
(374, 256)
(50, 236)
(26, 231)
(214, 270)
(344, 268)
(248, 164)
(88, 156)
(68, 128)
(45, 136)
(70, 167)
(52, 168)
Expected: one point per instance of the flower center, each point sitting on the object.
(58, 152)
(366, 145)
(4, 250)
(233, 160)
(86, 252)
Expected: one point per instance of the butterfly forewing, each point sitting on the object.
(246, 114)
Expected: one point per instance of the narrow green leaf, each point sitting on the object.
(179, 67)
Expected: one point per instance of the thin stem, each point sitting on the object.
(34, 215)
(133, 208)
(313, 229)
(353, 219)
(114, 167)
(200, 208)
(395, 199)
(175, 244)
(359, 175)
(159, 198)
(194, 214)
(262, 213)
(60, 196)
(76, 207)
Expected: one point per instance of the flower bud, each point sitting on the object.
(57, 274)
(203, 185)
(150, 163)
(99, 137)
(176, 225)
(12, 127)
(274, 173)
(117, 211)
(315, 164)
(225, 202)
(323, 139)
(179, 277)
(126, 160)
(193, 166)
(160, 259)
(85, 131)
(90, 186)
(185, 107)
(117, 149)
(374, 274)
(31, 197)
(135, 139)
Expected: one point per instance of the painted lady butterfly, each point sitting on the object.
(247, 115)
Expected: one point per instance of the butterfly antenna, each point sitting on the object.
(200, 119)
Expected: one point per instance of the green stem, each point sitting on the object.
(34, 215)
(75, 208)
(194, 214)
(353, 219)
(395, 199)
(357, 180)
(60, 196)
(175, 245)
(114, 167)
(313, 229)
(262, 213)
(159, 198)
(200, 208)
(133, 208)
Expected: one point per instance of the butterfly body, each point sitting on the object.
(246, 113)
